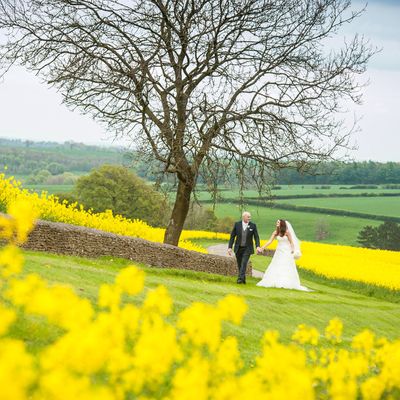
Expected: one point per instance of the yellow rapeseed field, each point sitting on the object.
(49, 208)
(376, 267)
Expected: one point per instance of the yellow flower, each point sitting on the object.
(306, 334)
(109, 296)
(158, 300)
(130, 280)
(16, 370)
(372, 388)
(270, 338)
(7, 317)
(6, 228)
(24, 214)
(86, 350)
(155, 351)
(232, 308)
(11, 261)
(58, 303)
(191, 381)
(202, 325)
(333, 331)
(364, 341)
(59, 384)
(228, 359)
(20, 291)
(129, 316)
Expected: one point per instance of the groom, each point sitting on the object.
(244, 231)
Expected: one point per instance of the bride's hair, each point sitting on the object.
(282, 228)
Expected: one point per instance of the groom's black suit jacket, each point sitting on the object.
(252, 234)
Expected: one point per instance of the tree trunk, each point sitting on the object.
(179, 213)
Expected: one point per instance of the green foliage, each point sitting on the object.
(200, 218)
(55, 168)
(116, 188)
(67, 196)
(362, 187)
(385, 236)
(44, 177)
(392, 187)
(40, 177)
(23, 157)
(368, 236)
(225, 224)
(203, 218)
(26, 157)
(66, 178)
(367, 172)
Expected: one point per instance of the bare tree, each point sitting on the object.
(322, 229)
(197, 81)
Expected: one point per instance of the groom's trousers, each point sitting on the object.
(242, 258)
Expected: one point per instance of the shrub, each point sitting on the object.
(385, 236)
(39, 177)
(200, 217)
(56, 168)
(224, 224)
(67, 178)
(120, 190)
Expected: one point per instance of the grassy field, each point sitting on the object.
(342, 230)
(388, 206)
(294, 190)
(268, 308)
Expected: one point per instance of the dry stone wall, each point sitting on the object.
(68, 239)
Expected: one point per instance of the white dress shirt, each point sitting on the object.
(245, 225)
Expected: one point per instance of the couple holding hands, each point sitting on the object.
(282, 271)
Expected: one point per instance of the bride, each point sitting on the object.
(282, 272)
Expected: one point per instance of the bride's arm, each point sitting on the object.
(271, 239)
(290, 241)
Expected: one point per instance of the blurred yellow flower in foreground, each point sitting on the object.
(123, 346)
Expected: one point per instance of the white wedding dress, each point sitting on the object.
(282, 272)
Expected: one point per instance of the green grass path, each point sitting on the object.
(268, 308)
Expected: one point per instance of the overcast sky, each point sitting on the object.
(31, 110)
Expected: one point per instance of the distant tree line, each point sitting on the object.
(28, 157)
(367, 172)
